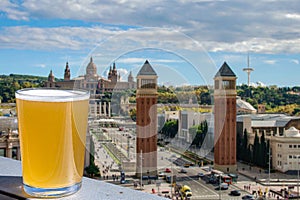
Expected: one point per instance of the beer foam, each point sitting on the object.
(51, 95)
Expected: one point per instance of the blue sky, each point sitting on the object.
(186, 41)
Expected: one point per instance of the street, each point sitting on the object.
(123, 139)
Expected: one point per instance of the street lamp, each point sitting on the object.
(298, 177)
(141, 168)
(220, 186)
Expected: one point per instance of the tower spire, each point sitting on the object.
(248, 69)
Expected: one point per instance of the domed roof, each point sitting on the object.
(91, 65)
(292, 132)
(244, 105)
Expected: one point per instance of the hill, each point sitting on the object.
(9, 84)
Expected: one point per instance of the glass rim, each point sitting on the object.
(51, 94)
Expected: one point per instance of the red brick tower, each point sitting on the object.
(225, 120)
(146, 121)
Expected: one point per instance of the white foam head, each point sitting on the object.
(51, 95)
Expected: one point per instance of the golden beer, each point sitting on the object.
(52, 129)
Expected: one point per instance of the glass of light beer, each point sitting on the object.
(52, 130)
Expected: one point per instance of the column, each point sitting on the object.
(109, 114)
(104, 108)
(18, 154)
(100, 108)
(95, 109)
(9, 150)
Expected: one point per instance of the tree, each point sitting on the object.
(92, 170)
(170, 128)
(263, 151)
(255, 152)
(132, 114)
(244, 148)
(199, 132)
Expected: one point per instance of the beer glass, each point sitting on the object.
(52, 130)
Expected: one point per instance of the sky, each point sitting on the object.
(185, 41)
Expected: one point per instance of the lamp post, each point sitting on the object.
(298, 178)
(172, 179)
(141, 168)
(220, 186)
(269, 162)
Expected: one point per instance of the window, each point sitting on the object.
(216, 84)
(295, 146)
(3, 152)
(148, 83)
(290, 146)
(226, 84)
(14, 153)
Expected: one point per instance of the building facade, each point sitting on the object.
(146, 121)
(283, 133)
(225, 120)
(9, 144)
(286, 151)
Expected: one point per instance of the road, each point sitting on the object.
(200, 189)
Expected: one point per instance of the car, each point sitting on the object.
(161, 174)
(222, 186)
(182, 171)
(167, 170)
(248, 197)
(123, 181)
(187, 165)
(235, 193)
(200, 175)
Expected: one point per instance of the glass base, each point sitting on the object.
(51, 192)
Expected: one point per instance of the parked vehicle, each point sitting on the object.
(182, 171)
(222, 186)
(167, 170)
(248, 197)
(169, 179)
(235, 193)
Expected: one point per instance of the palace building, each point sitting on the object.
(97, 85)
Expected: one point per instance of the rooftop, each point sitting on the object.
(147, 69)
(225, 70)
(267, 120)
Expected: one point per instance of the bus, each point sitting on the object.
(221, 176)
(226, 179)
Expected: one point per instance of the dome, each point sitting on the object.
(292, 132)
(91, 68)
(243, 105)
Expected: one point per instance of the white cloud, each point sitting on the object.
(133, 60)
(12, 10)
(41, 65)
(270, 62)
(293, 16)
(295, 61)
(233, 26)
